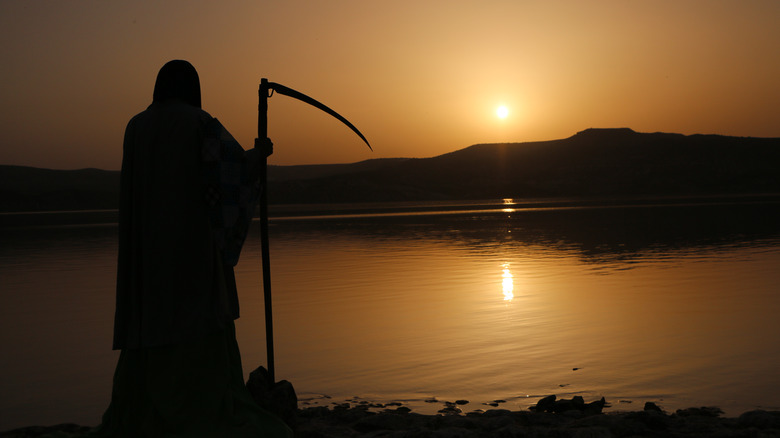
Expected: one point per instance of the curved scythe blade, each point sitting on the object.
(281, 89)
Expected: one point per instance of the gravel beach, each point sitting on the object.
(361, 420)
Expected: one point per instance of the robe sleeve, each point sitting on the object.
(231, 194)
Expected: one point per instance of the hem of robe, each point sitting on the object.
(188, 389)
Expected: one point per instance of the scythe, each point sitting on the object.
(266, 91)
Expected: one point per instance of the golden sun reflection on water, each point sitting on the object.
(507, 202)
(507, 283)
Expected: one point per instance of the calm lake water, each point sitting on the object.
(672, 303)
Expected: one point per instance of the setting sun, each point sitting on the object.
(502, 111)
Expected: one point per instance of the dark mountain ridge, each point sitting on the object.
(593, 162)
(33, 189)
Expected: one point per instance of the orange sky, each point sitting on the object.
(419, 78)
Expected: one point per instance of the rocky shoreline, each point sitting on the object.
(550, 417)
(651, 422)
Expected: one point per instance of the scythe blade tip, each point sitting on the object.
(287, 91)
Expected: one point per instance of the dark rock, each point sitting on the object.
(450, 408)
(356, 421)
(313, 412)
(278, 398)
(760, 419)
(612, 426)
(497, 413)
(347, 416)
(397, 409)
(652, 419)
(546, 404)
(450, 421)
(650, 406)
(461, 402)
(576, 404)
(704, 411)
(595, 407)
(384, 421)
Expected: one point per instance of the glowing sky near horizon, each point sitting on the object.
(418, 78)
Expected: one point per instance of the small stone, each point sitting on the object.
(546, 404)
(595, 407)
(461, 402)
(650, 406)
(704, 411)
(451, 410)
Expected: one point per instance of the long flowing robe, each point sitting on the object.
(183, 212)
(186, 200)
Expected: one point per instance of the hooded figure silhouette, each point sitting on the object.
(187, 194)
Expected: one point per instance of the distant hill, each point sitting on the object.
(594, 162)
(32, 189)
